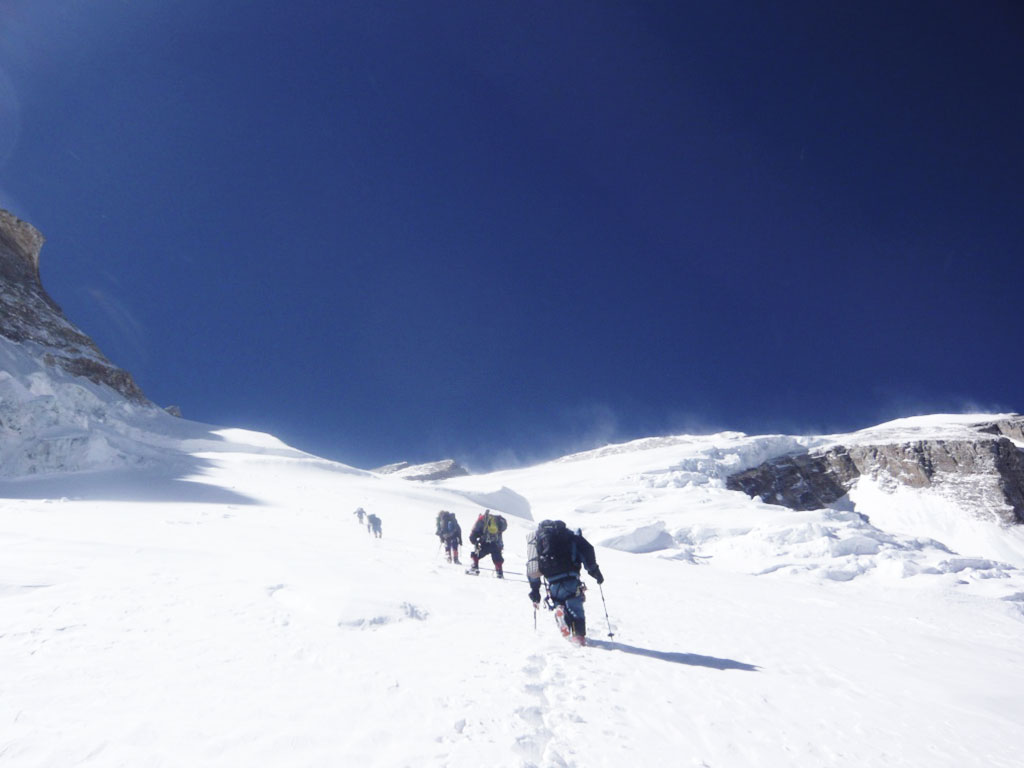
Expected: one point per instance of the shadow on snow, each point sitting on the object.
(179, 484)
(692, 659)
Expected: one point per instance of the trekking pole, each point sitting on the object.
(534, 617)
(610, 633)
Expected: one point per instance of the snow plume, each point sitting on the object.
(905, 404)
(581, 428)
(122, 320)
(565, 431)
(10, 119)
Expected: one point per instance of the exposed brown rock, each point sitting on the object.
(820, 478)
(29, 315)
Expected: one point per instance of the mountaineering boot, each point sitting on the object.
(579, 631)
(498, 573)
(560, 620)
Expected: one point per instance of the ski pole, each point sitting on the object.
(610, 633)
(534, 617)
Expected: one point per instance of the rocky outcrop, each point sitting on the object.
(437, 470)
(1011, 428)
(21, 243)
(987, 470)
(29, 315)
(800, 481)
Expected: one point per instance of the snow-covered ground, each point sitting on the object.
(217, 604)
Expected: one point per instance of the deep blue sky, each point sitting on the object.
(505, 230)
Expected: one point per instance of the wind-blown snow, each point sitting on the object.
(946, 426)
(216, 603)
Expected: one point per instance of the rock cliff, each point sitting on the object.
(983, 468)
(29, 316)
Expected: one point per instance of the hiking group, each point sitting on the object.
(555, 555)
(373, 524)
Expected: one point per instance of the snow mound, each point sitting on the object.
(503, 500)
(380, 618)
(647, 538)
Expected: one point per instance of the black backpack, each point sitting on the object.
(556, 548)
(446, 523)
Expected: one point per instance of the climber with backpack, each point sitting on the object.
(486, 537)
(556, 554)
(450, 534)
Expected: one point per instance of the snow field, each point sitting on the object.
(221, 606)
(278, 632)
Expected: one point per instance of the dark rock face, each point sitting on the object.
(800, 481)
(990, 466)
(28, 314)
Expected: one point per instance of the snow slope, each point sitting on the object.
(225, 608)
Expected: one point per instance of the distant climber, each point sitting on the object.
(360, 514)
(486, 537)
(556, 553)
(450, 534)
(373, 525)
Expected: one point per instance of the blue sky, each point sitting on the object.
(504, 231)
